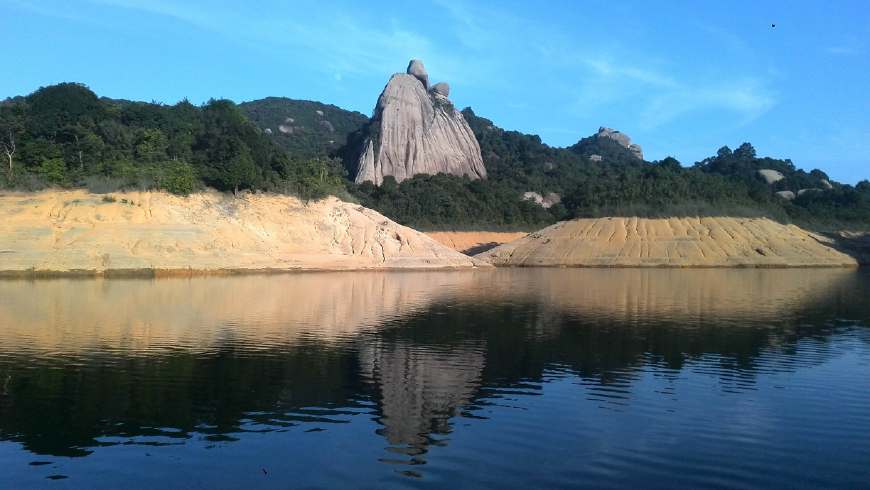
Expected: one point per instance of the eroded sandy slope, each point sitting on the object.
(66, 231)
(473, 242)
(673, 242)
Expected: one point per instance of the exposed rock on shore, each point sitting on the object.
(671, 242)
(415, 130)
(74, 231)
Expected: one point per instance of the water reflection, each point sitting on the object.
(86, 364)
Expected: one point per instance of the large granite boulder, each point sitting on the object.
(415, 131)
(418, 71)
(621, 138)
(771, 176)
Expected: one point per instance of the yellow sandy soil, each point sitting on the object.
(472, 242)
(673, 242)
(69, 231)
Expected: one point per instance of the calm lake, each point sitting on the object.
(530, 378)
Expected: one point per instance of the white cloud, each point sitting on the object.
(748, 100)
(844, 50)
(494, 51)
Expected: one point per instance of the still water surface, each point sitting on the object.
(508, 378)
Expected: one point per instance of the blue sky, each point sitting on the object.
(681, 77)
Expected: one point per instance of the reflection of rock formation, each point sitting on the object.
(421, 389)
(219, 352)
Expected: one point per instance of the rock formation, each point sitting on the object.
(545, 202)
(787, 195)
(621, 138)
(415, 130)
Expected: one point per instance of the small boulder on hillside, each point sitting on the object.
(770, 176)
(441, 88)
(545, 202)
(787, 195)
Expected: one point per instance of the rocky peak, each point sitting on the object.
(621, 138)
(415, 130)
(418, 71)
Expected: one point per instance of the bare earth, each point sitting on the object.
(673, 242)
(75, 231)
(474, 242)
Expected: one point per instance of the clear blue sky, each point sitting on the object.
(681, 77)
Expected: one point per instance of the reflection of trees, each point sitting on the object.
(231, 354)
(64, 409)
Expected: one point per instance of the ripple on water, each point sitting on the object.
(738, 379)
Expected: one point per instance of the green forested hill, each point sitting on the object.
(303, 128)
(617, 185)
(65, 135)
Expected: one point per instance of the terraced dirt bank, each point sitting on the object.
(673, 242)
(75, 232)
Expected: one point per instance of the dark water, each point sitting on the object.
(524, 378)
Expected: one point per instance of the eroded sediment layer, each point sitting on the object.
(671, 242)
(75, 231)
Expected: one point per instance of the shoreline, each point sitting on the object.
(184, 273)
(189, 273)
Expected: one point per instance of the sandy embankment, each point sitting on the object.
(79, 232)
(673, 242)
(474, 242)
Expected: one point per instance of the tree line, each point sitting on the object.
(65, 135)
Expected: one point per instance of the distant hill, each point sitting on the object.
(303, 128)
(65, 135)
(599, 176)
